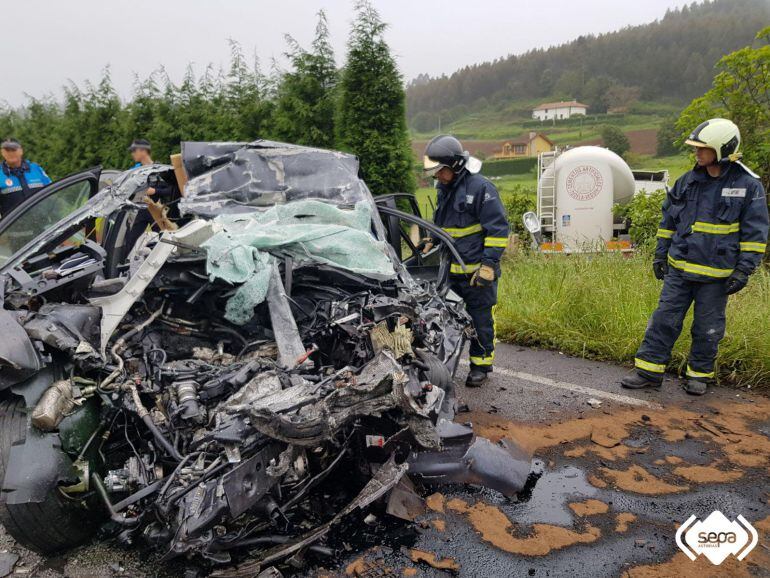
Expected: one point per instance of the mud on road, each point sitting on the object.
(613, 482)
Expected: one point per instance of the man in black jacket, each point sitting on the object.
(469, 209)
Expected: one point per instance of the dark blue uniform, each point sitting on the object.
(469, 209)
(18, 184)
(711, 226)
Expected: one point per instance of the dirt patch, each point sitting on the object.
(726, 424)
(432, 560)
(710, 474)
(435, 502)
(638, 480)
(495, 527)
(643, 141)
(596, 482)
(623, 520)
(357, 567)
(589, 507)
(439, 525)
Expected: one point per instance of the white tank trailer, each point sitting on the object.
(576, 191)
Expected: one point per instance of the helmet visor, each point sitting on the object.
(697, 143)
(431, 167)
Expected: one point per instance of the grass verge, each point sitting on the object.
(597, 306)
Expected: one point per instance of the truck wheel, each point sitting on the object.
(49, 526)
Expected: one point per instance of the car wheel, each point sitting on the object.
(439, 375)
(49, 526)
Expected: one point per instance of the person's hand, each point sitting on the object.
(736, 281)
(483, 277)
(660, 268)
(425, 245)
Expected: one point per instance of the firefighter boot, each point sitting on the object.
(638, 381)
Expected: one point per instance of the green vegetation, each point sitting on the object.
(512, 119)
(615, 140)
(506, 167)
(360, 109)
(643, 213)
(668, 59)
(598, 305)
(371, 119)
(305, 100)
(740, 92)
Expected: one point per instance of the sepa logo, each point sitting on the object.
(716, 537)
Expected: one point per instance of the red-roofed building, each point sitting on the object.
(558, 110)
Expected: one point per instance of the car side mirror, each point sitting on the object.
(532, 224)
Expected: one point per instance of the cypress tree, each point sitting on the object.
(371, 119)
(304, 111)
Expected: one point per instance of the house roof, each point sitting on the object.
(525, 139)
(562, 104)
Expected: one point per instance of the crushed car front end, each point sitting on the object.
(203, 393)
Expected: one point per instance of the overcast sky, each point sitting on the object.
(49, 42)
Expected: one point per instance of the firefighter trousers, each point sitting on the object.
(479, 302)
(665, 325)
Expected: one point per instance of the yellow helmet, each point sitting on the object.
(720, 135)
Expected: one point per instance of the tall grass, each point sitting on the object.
(598, 305)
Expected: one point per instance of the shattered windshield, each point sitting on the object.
(227, 178)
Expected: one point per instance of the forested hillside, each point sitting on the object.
(670, 59)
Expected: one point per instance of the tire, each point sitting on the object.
(49, 526)
(437, 373)
(440, 376)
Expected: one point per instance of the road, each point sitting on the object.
(620, 472)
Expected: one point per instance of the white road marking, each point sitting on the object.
(589, 391)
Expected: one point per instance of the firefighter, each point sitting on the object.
(20, 179)
(712, 237)
(469, 209)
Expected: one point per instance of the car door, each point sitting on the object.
(46, 208)
(405, 230)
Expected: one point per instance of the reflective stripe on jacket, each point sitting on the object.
(469, 209)
(712, 226)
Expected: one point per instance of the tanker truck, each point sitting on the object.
(576, 192)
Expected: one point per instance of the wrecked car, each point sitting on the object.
(279, 356)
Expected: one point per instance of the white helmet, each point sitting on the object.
(719, 134)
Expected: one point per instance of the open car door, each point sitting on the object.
(44, 209)
(406, 229)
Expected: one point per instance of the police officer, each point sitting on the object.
(712, 236)
(140, 152)
(20, 179)
(469, 209)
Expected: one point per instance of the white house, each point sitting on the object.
(558, 110)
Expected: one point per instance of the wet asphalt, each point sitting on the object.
(531, 388)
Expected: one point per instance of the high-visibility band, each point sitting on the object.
(715, 228)
(665, 233)
(465, 231)
(752, 247)
(647, 366)
(692, 373)
(486, 360)
(457, 269)
(698, 269)
(496, 242)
